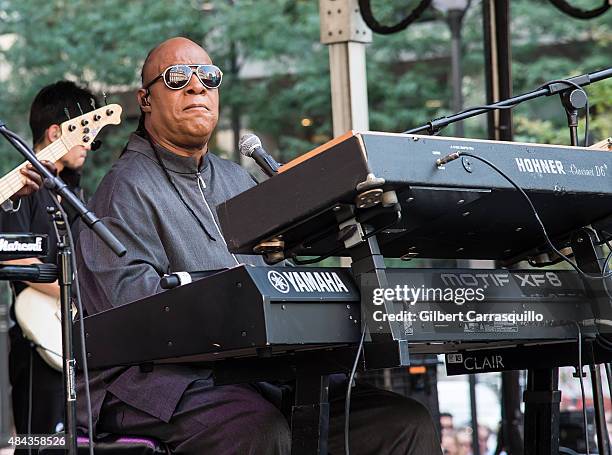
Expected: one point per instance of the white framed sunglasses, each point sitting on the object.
(177, 77)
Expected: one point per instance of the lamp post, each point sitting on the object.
(454, 10)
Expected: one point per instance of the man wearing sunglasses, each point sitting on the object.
(159, 200)
(45, 394)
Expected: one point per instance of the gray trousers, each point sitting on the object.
(237, 419)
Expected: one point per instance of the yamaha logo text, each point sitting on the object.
(306, 281)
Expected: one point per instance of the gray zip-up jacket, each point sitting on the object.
(140, 206)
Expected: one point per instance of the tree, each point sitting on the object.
(101, 46)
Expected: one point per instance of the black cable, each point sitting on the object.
(578, 13)
(604, 271)
(377, 27)
(556, 261)
(584, 412)
(487, 107)
(484, 107)
(536, 215)
(77, 288)
(349, 387)
(208, 234)
(433, 129)
(294, 257)
(535, 264)
(398, 217)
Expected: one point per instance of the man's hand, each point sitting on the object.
(32, 179)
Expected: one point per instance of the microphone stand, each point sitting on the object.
(64, 260)
(573, 100)
(60, 188)
(550, 88)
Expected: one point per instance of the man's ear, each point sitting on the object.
(143, 100)
(53, 133)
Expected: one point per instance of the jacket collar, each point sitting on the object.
(170, 160)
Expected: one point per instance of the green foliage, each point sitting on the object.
(103, 44)
(600, 98)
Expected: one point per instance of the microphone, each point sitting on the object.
(250, 145)
(176, 279)
(36, 273)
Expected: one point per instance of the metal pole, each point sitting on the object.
(346, 35)
(510, 437)
(498, 77)
(542, 399)
(348, 87)
(64, 255)
(474, 414)
(454, 19)
(600, 416)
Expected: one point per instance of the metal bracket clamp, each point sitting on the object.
(371, 181)
(356, 236)
(389, 198)
(369, 198)
(341, 22)
(271, 249)
(370, 192)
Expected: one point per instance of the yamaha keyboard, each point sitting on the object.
(263, 312)
(462, 210)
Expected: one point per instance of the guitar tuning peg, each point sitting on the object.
(67, 113)
(80, 110)
(92, 103)
(104, 95)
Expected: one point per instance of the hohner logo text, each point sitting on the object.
(538, 166)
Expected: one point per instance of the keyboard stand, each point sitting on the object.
(542, 397)
(591, 259)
